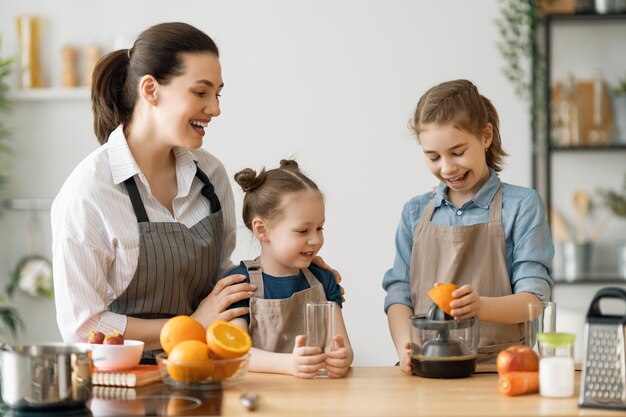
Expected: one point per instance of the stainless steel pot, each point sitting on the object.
(46, 376)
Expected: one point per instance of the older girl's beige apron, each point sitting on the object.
(274, 324)
(474, 255)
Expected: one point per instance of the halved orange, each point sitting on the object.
(189, 361)
(224, 368)
(226, 340)
(442, 296)
(178, 329)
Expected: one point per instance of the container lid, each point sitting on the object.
(423, 322)
(556, 339)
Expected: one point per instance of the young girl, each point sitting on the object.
(284, 209)
(490, 238)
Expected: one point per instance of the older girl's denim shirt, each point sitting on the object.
(529, 248)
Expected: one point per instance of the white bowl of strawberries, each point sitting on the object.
(113, 353)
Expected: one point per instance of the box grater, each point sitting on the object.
(603, 377)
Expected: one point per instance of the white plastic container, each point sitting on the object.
(556, 364)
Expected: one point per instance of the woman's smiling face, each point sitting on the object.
(188, 102)
(456, 158)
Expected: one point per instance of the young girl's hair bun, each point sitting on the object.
(289, 164)
(249, 180)
(265, 193)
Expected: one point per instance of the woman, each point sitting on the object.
(144, 226)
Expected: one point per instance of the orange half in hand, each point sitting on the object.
(226, 340)
(442, 296)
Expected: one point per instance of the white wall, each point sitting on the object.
(330, 82)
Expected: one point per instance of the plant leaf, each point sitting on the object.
(11, 320)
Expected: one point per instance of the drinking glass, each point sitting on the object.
(319, 328)
(540, 318)
(556, 364)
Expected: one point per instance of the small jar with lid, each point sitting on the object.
(556, 364)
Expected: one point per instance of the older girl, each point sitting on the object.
(490, 238)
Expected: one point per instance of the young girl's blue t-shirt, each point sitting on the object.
(276, 288)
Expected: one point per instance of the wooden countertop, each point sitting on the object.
(386, 391)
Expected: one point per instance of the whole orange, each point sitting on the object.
(178, 329)
(189, 361)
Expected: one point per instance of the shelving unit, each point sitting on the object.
(594, 278)
(30, 204)
(581, 149)
(545, 147)
(592, 281)
(49, 94)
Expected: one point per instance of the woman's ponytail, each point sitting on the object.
(109, 96)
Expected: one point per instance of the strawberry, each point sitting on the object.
(115, 338)
(96, 337)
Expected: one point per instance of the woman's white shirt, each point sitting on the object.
(95, 236)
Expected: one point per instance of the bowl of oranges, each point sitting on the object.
(199, 359)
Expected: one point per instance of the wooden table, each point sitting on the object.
(386, 391)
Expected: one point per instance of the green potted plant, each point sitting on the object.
(619, 110)
(518, 24)
(9, 317)
(615, 202)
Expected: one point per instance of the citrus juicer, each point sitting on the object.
(442, 347)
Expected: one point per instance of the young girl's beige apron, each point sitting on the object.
(474, 255)
(274, 324)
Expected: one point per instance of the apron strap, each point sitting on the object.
(428, 212)
(256, 276)
(495, 207)
(310, 278)
(209, 191)
(135, 199)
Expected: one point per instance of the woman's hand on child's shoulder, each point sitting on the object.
(339, 359)
(306, 361)
(319, 262)
(226, 292)
(466, 302)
